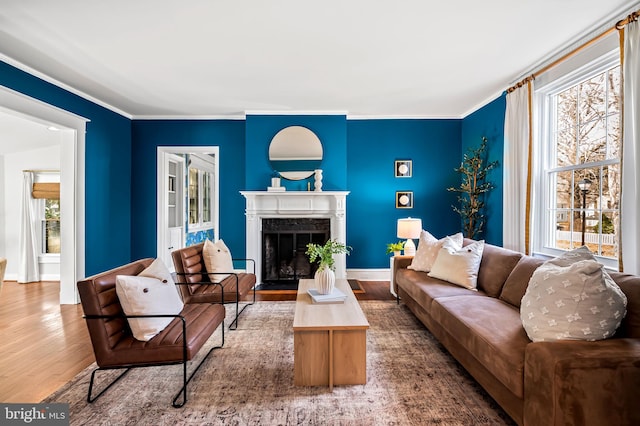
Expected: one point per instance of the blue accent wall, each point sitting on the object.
(330, 129)
(489, 121)
(108, 169)
(374, 145)
(359, 155)
(229, 135)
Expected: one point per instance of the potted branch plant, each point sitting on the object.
(325, 277)
(395, 248)
(473, 187)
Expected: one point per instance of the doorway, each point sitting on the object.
(72, 177)
(175, 209)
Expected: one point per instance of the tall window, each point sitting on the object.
(51, 227)
(200, 193)
(581, 141)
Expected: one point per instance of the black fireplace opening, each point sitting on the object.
(284, 246)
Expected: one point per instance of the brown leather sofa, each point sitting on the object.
(191, 273)
(114, 345)
(542, 383)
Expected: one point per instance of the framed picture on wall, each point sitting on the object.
(404, 199)
(403, 168)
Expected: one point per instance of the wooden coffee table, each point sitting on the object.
(329, 340)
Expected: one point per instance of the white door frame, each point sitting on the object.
(72, 182)
(161, 197)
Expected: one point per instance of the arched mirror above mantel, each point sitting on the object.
(295, 152)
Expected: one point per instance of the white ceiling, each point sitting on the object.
(366, 58)
(19, 134)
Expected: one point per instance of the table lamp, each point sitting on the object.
(409, 228)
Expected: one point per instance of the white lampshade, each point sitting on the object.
(409, 228)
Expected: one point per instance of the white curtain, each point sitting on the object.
(515, 166)
(630, 200)
(28, 246)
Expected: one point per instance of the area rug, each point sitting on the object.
(411, 380)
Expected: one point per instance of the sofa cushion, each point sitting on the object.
(497, 263)
(428, 248)
(491, 331)
(458, 265)
(217, 259)
(572, 297)
(424, 289)
(516, 284)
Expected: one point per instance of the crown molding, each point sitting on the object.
(291, 112)
(403, 117)
(189, 117)
(482, 104)
(42, 76)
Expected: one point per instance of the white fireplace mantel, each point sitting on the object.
(294, 204)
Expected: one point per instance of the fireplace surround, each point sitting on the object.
(294, 204)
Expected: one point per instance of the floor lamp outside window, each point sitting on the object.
(584, 186)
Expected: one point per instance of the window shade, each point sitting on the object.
(50, 190)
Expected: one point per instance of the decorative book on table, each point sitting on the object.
(336, 296)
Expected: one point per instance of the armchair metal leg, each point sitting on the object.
(90, 399)
(235, 320)
(185, 380)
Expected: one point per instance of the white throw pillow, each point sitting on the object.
(458, 265)
(152, 292)
(428, 248)
(217, 258)
(572, 297)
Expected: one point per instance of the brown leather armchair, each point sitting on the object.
(195, 285)
(114, 345)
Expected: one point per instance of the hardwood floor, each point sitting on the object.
(45, 344)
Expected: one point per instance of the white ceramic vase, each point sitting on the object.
(318, 180)
(325, 280)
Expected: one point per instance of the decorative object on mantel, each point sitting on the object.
(395, 248)
(404, 199)
(403, 168)
(325, 277)
(275, 183)
(473, 188)
(317, 185)
(409, 228)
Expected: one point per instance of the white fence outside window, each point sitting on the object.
(589, 238)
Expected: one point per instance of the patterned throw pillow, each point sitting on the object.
(217, 259)
(458, 265)
(428, 248)
(572, 297)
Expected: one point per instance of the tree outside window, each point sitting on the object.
(51, 227)
(584, 172)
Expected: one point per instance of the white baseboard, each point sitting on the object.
(369, 274)
(43, 277)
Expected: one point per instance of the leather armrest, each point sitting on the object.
(399, 262)
(577, 382)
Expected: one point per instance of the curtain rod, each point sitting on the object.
(618, 26)
(42, 171)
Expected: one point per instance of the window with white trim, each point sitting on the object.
(578, 175)
(200, 178)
